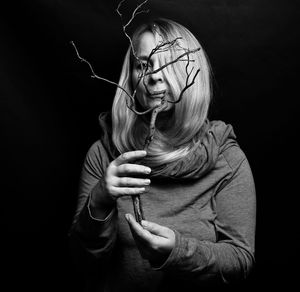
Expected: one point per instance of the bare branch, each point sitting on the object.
(163, 46)
(187, 84)
(185, 88)
(173, 61)
(155, 50)
(155, 112)
(134, 14)
(131, 105)
(119, 6)
(94, 75)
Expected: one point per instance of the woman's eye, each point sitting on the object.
(142, 66)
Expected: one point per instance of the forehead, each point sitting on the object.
(146, 43)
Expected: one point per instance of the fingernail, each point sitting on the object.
(147, 170)
(144, 223)
(147, 181)
(127, 217)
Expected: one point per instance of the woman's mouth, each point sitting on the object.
(157, 94)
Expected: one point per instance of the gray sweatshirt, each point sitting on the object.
(213, 218)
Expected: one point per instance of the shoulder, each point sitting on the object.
(97, 155)
(221, 132)
(234, 156)
(96, 149)
(228, 147)
(235, 165)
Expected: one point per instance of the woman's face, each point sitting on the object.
(153, 87)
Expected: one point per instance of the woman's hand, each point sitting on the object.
(121, 175)
(122, 178)
(155, 242)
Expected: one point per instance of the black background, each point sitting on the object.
(50, 105)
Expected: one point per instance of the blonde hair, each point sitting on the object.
(188, 116)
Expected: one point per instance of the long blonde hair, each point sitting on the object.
(129, 130)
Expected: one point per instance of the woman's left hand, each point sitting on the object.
(155, 242)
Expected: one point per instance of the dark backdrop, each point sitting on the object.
(50, 105)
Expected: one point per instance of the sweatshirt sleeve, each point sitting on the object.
(231, 257)
(94, 236)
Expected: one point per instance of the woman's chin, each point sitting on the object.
(157, 102)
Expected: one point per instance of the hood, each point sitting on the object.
(215, 137)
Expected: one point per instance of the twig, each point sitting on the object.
(134, 14)
(94, 75)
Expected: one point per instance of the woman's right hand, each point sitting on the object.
(122, 178)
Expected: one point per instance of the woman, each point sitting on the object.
(195, 182)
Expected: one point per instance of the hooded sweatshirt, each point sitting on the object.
(207, 199)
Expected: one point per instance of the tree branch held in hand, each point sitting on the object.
(163, 46)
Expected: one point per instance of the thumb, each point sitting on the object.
(156, 229)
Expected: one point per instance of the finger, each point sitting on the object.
(137, 229)
(129, 181)
(130, 156)
(127, 168)
(156, 229)
(119, 191)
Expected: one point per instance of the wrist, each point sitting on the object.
(102, 204)
(100, 198)
(100, 209)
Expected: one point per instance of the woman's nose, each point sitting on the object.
(156, 75)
